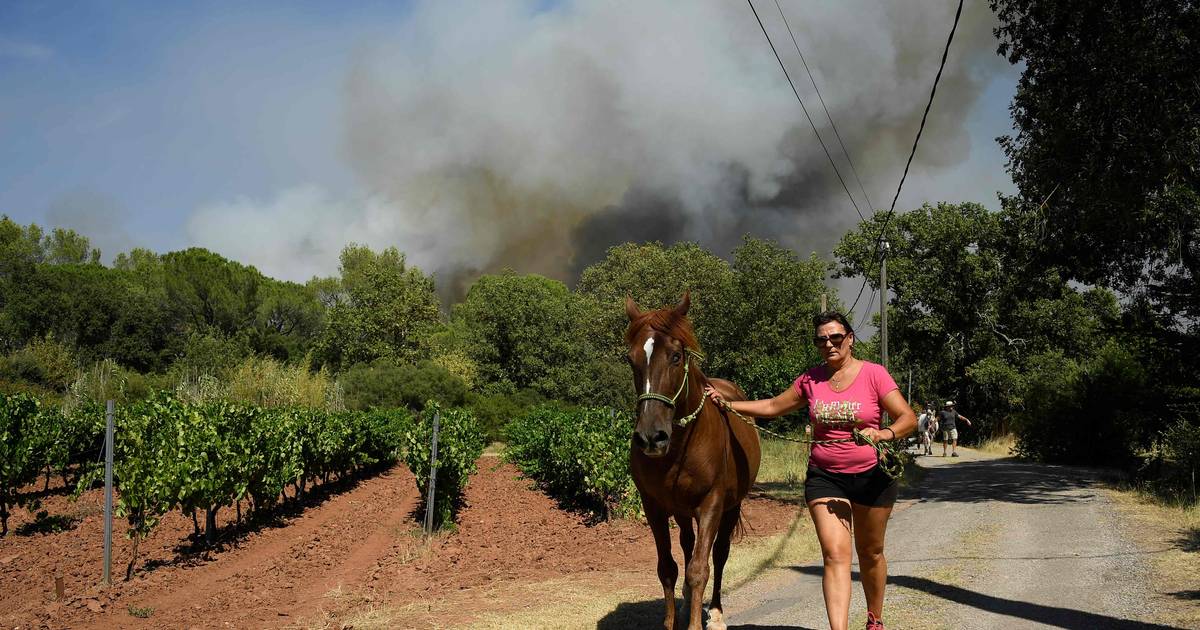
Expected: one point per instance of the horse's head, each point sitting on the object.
(661, 347)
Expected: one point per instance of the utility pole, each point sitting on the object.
(883, 299)
(824, 306)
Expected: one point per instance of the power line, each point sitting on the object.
(853, 171)
(810, 120)
(932, 92)
(870, 304)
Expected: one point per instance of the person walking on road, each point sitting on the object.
(849, 496)
(947, 418)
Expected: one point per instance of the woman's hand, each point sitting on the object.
(714, 395)
(877, 435)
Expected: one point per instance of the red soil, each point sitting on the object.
(357, 548)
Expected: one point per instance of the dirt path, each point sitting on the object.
(985, 542)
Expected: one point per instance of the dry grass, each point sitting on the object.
(576, 604)
(583, 604)
(269, 383)
(782, 471)
(1175, 531)
(1004, 445)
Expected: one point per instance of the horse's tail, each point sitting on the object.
(742, 527)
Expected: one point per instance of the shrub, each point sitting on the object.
(580, 457)
(1180, 454)
(71, 439)
(1102, 396)
(172, 452)
(44, 362)
(459, 364)
(18, 440)
(386, 384)
(496, 410)
(460, 443)
(208, 353)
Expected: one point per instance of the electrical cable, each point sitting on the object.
(887, 217)
(854, 171)
(806, 115)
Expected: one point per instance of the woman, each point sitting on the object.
(849, 496)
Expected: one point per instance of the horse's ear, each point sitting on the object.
(681, 309)
(631, 308)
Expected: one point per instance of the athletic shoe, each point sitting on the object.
(873, 622)
(953, 454)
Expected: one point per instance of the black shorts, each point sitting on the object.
(872, 487)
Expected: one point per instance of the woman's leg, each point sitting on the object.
(831, 518)
(870, 525)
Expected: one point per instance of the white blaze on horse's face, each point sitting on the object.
(649, 348)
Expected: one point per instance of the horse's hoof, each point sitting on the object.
(715, 620)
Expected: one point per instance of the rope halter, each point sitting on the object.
(683, 387)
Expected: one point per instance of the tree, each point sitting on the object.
(382, 308)
(208, 291)
(22, 250)
(1107, 144)
(945, 275)
(656, 277)
(288, 321)
(531, 332)
(967, 318)
(66, 247)
(761, 338)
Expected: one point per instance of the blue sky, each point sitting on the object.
(161, 124)
(150, 109)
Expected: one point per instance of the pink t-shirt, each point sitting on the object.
(860, 401)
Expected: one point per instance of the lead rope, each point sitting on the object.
(889, 462)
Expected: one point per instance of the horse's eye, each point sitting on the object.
(676, 357)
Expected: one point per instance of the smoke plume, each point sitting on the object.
(500, 134)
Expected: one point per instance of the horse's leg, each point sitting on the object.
(716, 611)
(687, 538)
(668, 571)
(708, 519)
(687, 542)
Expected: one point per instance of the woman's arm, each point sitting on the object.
(896, 407)
(783, 404)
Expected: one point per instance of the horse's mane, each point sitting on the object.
(665, 321)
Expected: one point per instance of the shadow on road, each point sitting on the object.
(1130, 554)
(1007, 480)
(648, 615)
(1189, 540)
(1049, 615)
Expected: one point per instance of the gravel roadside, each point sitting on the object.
(984, 542)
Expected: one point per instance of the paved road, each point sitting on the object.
(983, 542)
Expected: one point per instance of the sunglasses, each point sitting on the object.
(836, 340)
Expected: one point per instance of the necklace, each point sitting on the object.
(837, 379)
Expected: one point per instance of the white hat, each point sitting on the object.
(949, 403)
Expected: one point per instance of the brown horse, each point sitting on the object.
(689, 460)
